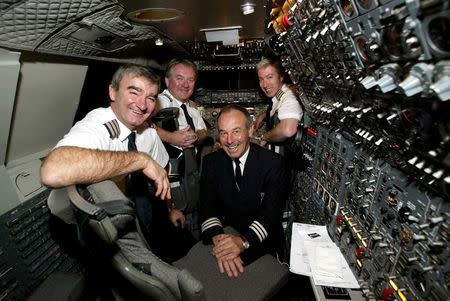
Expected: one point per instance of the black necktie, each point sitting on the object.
(137, 178)
(132, 142)
(188, 117)
(237, 173)
(269, 123)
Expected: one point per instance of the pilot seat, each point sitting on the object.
(109, 231)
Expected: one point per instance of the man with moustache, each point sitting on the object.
(248, 195)
(284, 110)
(117, 141)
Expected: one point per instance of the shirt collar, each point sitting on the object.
(173, 99)
(244, 157)
(124, 131)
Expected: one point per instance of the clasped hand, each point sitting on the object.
(185, 138)
(227, 249)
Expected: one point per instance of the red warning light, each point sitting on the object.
(386, 293)
(359, 252)
(312, 132)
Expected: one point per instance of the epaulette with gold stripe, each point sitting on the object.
(113, 128)
(279, 94)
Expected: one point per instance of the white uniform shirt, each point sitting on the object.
(242, 161)
(167, 100)
(90, 132)
(288, 105)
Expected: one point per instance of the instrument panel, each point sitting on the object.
(393, 235)
(373, 78)
(211, 102)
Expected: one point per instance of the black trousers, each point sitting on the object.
(168, 242)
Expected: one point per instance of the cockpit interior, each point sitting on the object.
(370, 157)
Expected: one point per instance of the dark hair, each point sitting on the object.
(137, 71)
(234, 107)
(270, 62)
(177, 61)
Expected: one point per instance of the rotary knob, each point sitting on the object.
(441, 86)
(387, 77)
(418, 80)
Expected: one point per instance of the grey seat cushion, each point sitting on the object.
(180, 282)
(260, 280)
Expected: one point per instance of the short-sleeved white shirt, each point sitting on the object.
(288, 105)
(167, 100)
(90, 132)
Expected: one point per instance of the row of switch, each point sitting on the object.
(422, 78)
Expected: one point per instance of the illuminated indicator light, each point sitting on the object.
(396, 146)
(406, 117)
(386, 293)
(400, 294)
(359, 263)
(407, 233)
(312, 132)
(359, 252)
(364, 243)
(394, 286)
(390, 199)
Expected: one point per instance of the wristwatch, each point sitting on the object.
(245, 243)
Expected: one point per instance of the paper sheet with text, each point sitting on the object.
(314, 254)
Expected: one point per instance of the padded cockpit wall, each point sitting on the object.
(78, 28)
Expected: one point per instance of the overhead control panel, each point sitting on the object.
(214, 56)
(397, 46)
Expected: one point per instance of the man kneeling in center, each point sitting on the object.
(243, 186)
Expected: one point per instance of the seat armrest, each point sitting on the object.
(98, 218)
(84, 206)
